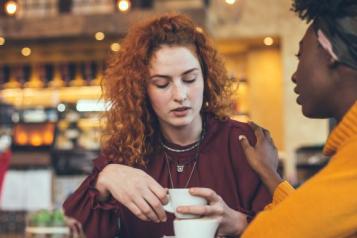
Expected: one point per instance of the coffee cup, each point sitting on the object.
(182, 197)
(197, 228)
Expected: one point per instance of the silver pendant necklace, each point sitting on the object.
(177, 169)
(180, 167)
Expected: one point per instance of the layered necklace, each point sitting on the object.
(180, 167)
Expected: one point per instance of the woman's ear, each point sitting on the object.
(333, 63)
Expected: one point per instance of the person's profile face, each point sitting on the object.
(314, 85)
(175, 86)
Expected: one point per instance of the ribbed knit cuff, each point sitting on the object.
(282, 191)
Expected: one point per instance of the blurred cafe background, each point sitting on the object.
(52, 57)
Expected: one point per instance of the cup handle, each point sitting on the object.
(168, 206)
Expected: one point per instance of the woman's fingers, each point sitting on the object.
(247, 147)
(263, 135)
(258, 131)
(206, 193)
(156, 205)
(158, 190)
(139, 192)
(75, 226)
(206, 210)
(146, 209)
(136, 211)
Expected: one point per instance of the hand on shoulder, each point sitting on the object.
(263, 157)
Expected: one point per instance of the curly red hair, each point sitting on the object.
(131, 125)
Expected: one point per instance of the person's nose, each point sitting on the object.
(180, 92)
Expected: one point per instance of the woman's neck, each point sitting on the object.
(185, 135)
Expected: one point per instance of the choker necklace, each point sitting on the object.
(195, 145)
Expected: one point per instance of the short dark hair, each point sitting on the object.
(309, 10)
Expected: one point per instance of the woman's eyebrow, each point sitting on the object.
(169, 77)
(189, 71)
(160, 76)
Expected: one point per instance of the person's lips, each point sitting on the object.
(298, 99)
(180, 111)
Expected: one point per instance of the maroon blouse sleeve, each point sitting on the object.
(255, 196)
(99, 219)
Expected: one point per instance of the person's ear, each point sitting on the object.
(332, 63)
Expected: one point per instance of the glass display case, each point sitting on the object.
(77, 140)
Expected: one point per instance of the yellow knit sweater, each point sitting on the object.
(326, 205)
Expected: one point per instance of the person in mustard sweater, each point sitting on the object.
(326, 83)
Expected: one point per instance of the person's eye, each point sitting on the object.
(190, 80)
(161, 85)
(298, 55)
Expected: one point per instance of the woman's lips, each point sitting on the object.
(298, 99)
(181, 112)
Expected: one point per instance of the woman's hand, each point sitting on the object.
(135, 189)
(263, 157)
(76, 230)
(231, 222)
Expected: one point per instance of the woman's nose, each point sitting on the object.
(180, 93)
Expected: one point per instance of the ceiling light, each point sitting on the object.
(26, 51)
(99, 36)
(2, 40)
(123, 5)
(11, 7)
(268, 41)
(230, 2)
(115, 47)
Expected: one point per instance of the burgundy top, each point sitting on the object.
(222, 166)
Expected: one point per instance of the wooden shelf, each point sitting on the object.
(48, 96)
(64, 38)
(30, 159)
(75, 25)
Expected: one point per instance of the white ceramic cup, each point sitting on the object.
(182, 197)
(197, 228)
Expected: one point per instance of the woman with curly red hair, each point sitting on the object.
(167, 127)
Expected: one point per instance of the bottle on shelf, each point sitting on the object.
(57, 80)
(4, 75)
(88, 72)
(78, 78)
(14, 75)
(98, 75)
(36, 78)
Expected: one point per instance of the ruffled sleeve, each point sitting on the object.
(98, 219)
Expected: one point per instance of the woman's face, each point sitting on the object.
(314, 83)
(175, 86)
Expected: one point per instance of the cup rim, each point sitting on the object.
(202, 219)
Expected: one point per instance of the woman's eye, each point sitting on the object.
(189, 80)
(162, 85)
